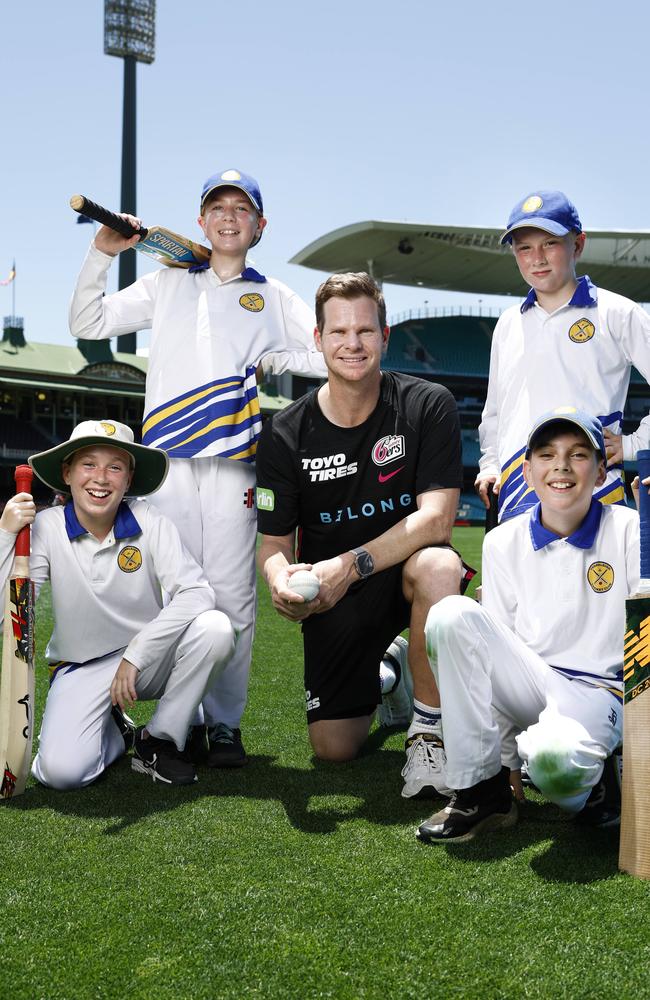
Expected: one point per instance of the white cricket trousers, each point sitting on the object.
(79, 737)
(493, 688)
(211, 502)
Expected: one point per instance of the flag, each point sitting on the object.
(12, 275)
(83, 218)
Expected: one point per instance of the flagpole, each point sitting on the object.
(13, 295)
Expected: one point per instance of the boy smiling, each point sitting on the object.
(536, 671)
(113, 641)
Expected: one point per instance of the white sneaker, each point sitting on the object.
(424, 771)
(396, 708)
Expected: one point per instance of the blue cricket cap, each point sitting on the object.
(548, 210)
(590, 426)
(236, 179)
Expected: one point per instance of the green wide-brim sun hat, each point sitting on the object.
(151, 464)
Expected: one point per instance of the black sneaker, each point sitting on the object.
(226, 748)
(126, 726)
(197, 744)
(485, 806)
(162, 760)
(603, 807)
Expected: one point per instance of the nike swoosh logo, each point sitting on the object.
(389, 475)
(462, 812)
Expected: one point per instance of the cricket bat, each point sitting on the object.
(162, 244)
(17, 678)
(634, 850)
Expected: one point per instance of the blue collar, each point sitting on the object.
(585, 295)
(248, 274)
(582, 538)
(124, 526)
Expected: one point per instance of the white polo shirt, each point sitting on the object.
(207, 339)
(107, 595)
(580, 355)
(565, 597)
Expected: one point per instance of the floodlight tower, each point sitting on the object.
(129, 32)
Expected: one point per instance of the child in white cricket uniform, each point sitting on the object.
(535, 673)
(212, 328)
(113, 641)
(568, 341)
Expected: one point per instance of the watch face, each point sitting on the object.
(365, 563)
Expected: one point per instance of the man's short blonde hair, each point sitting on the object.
(351, 285)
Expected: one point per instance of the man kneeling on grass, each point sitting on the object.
(364, 472)
(536, 672)
(113, 641)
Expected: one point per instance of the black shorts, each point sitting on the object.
(343, 647)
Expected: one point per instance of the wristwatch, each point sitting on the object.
(363, 563)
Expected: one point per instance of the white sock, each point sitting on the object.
(387, 677)
(426, 719)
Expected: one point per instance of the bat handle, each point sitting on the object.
(643, 468)
(492, 513)
(114, 221)
(23, 476)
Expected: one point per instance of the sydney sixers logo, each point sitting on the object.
(388, 449)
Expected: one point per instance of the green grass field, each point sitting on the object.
(294, 879)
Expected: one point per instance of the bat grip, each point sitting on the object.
(492, 513)
(23, 476)
(643, 468)
(114, 221)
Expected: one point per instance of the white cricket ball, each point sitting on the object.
(305, 583)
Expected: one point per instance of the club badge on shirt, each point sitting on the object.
(129, 559)
(252, 301)
(582, 331)
(388, 449)
(601, 577)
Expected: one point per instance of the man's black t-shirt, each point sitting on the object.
(343, 486)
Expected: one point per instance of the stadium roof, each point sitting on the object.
(56, 360)
(469, 258)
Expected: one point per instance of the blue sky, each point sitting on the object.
(421, 111)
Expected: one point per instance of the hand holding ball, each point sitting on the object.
(305, 583)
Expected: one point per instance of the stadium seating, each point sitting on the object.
(454, 345)
(18, 438)
(471, 448)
